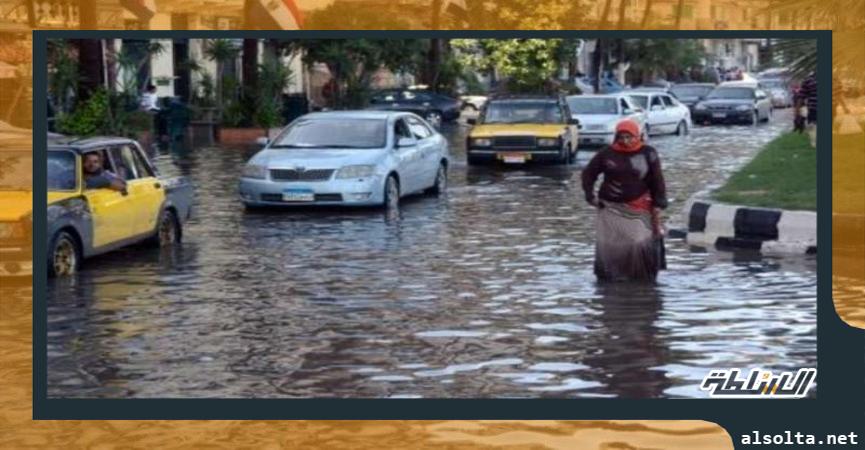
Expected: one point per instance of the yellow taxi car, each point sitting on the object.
(520, 129)
(84, 222)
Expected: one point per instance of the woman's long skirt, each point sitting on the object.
(627, 246)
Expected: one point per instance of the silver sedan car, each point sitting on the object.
(361, 158)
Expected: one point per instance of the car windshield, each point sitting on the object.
(690, 91)
(523, 112)
(732, 93)
(16, 171)
(61, 171)
(592, 105)
(772, 84)
(333, 133)
(641, 100)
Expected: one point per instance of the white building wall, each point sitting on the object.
(162, 70)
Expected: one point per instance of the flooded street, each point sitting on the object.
(486, 292)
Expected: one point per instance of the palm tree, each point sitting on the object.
(605, 14)
(680, 10)
(621, 23)
(221, 51)
(646, 11)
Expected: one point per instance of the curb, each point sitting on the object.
(728, 227)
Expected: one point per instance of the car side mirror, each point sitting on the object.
(573, 121)
(406, 142)
(627, 111)
(262, 141)
(472, 121)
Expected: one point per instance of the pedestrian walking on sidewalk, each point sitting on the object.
(629, 243)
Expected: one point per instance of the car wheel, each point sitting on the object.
(754, 118)
(64, 256)
(681, 128)
(434, 118)
(391, 193)
(169, 232)
(441, 183)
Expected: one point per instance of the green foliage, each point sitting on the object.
(527, 64)
(105, 113)
(669, 58)
(273, 78)
(63, 74)
(352, 62)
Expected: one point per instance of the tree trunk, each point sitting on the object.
(90, 68)
(680, 8)
(621, 23)
(433, 63)
(596, 64)
(249, 75)
(605, 14)
(646, 12)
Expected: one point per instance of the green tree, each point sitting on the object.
(527, 64)
(221, 51)
(352, 62)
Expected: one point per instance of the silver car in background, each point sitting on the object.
(360, 158)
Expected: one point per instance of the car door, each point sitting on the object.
(674, 113)
(630, 111)
(113, 212)
(409, 157)
(763, 104)
(658, 119)
(428, 146)
(145, 190)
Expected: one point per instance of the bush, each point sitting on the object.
(105, 113)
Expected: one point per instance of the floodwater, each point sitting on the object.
(486, 292)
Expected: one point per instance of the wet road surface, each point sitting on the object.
(486, 292)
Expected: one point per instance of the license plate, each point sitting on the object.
(514, 158)
(719, 115)
(298, 195)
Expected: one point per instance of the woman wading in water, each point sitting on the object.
(629, 242)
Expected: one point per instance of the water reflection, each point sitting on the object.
(485, 292)
(630, 342)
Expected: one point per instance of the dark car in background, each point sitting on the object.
(435, 108)
(689, 94)
(733, 104)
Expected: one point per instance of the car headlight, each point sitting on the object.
(355, 172)
(548, 142)
(254, 171)
(700, 106)
(481, 142)
(743, 108)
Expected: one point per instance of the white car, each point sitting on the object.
(664, 113)
(599, 114)
(473, 102)
(347, 158)
(779, 91)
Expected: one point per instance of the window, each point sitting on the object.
(61, 170)
(656, 101)
(401, 130)
(418, 129)
(667, 100)
(124, 162)
(340, 133)
(141, 165)
(624, 104)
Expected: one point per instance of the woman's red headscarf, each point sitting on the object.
(630, 127)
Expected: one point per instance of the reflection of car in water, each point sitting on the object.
(86, 222)
(358, 158)
(519, 129)
(599, 114)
